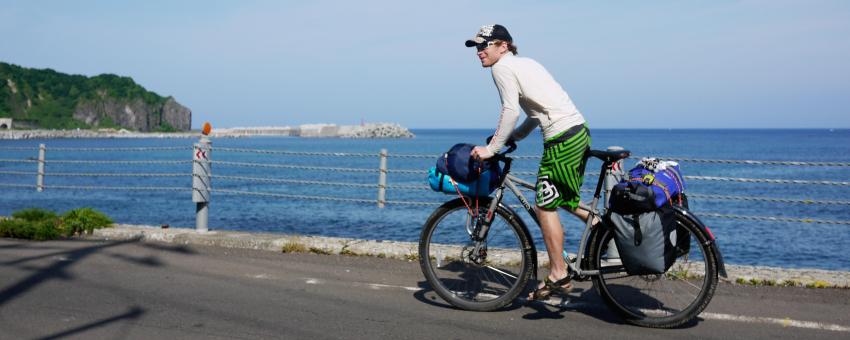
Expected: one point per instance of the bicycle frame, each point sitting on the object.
(510, 182)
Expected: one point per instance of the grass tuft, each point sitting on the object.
(320, 251)
(818, 284)
(790, 283)
(293, 247)
(347, 252)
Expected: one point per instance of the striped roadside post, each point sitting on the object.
(201, 182)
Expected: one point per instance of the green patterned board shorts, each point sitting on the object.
(562, 169)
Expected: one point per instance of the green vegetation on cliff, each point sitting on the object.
(45, 98)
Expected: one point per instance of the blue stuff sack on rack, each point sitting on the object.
(456, 171)
(458, 163)
(663, 177)
(480, 187)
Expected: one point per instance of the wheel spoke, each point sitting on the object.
(504, 273)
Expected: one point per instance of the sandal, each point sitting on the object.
(560, 287)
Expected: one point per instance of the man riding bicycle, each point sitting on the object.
(524, 83)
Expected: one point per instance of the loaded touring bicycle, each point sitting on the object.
(478, 254)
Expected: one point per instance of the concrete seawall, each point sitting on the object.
(409, 251)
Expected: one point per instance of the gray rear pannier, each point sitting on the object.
(645, 241)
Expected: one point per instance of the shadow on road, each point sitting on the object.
(585, 301)
(589, 302)
(429, 296)
(134, 313)
(66, 259)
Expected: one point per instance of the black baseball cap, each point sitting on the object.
(489, 33)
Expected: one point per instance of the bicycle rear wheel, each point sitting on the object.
(664, 300)
(485, 280)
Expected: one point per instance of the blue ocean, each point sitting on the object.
(329, 186)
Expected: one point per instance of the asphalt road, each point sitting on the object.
(136, 290)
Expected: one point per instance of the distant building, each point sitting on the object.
(6, 123)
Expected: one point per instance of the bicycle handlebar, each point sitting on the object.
(511, 144)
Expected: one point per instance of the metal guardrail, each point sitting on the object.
(202, 177)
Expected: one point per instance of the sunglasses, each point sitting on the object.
(482, 46)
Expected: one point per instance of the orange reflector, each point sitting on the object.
(207, 128)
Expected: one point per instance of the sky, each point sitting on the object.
(625, 64)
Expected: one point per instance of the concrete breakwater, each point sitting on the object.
(371, 130)
(409, 251)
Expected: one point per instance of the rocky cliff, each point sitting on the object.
(44, 98)
(134, 114)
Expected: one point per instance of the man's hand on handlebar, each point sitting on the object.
(481, 153)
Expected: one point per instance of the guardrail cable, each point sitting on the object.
(408, 171)
(678, 159)
(283, 166)
(765, 180)
(26, 173)
(88, 187)
(114, 174)
(17, 148)
(766, 199)
(414, 203)
(593, 175)
(132, 149)
(426, 156)
(295, 153)
(294, 181)
(409, 187)
(18, 161)
(65, 161)
(749, 162)
(290, 196)
(773, 219)
(435, 156)
(26, 186)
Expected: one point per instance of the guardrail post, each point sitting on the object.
(382, 180)
(39, 179)
(201, 183)
(611, 179)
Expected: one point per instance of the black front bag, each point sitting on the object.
(632, 197)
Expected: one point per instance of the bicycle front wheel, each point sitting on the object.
(664, 300)
(479, 275)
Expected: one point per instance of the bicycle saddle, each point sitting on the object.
(610, 156)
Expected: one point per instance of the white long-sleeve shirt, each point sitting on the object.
(524, 83)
